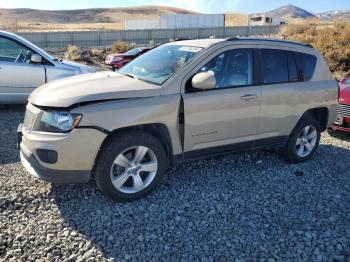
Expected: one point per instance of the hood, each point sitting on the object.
(91, 87)
(83, 68)
(344, 95)
(112, 56)
(119, 55)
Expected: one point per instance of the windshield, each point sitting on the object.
(159, 64)
(134, 51)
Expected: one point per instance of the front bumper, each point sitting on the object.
(340, 128)
(54, 176)
(76, 154)
(342, 123)
(115, 66)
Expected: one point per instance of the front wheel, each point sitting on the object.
(130, 166)
(303, 142)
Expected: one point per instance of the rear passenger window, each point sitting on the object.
(308, 64)
(275, 64)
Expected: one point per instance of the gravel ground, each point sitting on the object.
(247, 206)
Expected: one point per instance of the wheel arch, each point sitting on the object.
(158, 130)
(321, 114)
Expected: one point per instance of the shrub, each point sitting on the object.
(73, 53)
(120, 47)
(332, 40)
(96, 52)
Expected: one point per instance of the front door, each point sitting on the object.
(18, 76)
(224, 118)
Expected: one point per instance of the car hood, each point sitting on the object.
(118, 55)
(83, 68)
(91, 87)
(344, 95)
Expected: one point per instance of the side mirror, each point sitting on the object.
(204, 80)
(35, 58)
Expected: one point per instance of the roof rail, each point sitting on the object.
(232, 38)
(269, 40)
(181, 39)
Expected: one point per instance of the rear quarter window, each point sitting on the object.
(307, 63)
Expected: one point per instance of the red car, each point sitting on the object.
(343, 119)
(116, 61)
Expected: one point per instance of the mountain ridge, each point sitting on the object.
(292, 12)
(26, 19)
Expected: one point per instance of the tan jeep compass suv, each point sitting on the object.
(180, 101)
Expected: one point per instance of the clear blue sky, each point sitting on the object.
(205, 6)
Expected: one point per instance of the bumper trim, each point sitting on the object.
(340, 128)
(51, 175)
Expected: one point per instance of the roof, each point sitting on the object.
(208, 42)
(198, 42)
(268, 40)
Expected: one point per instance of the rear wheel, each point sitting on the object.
(130, 166)
(303, 142)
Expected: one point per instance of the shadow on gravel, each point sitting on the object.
(240, 205)
(10, 117)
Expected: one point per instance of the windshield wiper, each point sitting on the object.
(132, 76)
(140, 79)
(149, 81)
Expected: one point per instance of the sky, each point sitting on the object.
(203, 6)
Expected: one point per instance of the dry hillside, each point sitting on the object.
(83, 19)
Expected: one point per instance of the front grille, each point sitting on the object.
(344, 110)
(29, 119)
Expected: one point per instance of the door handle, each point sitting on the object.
(248, 97)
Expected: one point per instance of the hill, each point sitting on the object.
(113, 18)
(82, 19)
(335, 15)
(294, 13)
(289, 12)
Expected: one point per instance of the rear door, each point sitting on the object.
(224, 118)
(283, 95)
(18, 76)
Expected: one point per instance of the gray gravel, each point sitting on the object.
(247, 206)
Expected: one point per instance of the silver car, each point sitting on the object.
(24, 67)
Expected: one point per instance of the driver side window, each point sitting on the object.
(233, 68)
(11, 51)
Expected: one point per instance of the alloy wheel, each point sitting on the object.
(134, 169)
(306, 141)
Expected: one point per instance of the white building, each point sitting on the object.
(263, 19)
(134, 24)
(177, 21)
(192, 21)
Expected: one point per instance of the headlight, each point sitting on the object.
(116, 59)
(58, 121)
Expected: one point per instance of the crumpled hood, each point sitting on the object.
(91, 87)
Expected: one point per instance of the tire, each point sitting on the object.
(301, 152)
(124, 160)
